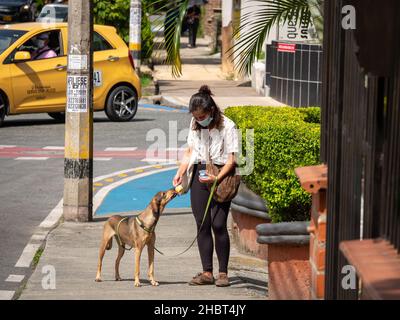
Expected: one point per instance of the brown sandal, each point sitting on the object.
(222, 281)
(201, 279)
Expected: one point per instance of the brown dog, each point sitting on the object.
(136, 233)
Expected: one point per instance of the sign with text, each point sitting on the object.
(77, 93)
(287, 47)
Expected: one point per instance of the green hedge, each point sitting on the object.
(284, 138)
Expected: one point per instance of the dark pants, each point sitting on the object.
(193, 32)
(215, 220)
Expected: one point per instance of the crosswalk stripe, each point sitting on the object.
(15, 278)
(53, 148)
(121, 149)
(31, 158)
(3, 146)
(6, 295)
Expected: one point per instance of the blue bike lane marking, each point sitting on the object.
(135, 195)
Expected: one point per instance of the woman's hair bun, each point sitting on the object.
(205, 90)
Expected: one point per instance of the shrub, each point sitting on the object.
(284, 138)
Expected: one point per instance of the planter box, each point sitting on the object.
(248, 210)
(289, 274)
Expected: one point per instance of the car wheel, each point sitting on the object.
(59, 116)
(122, 104)
(2, 110)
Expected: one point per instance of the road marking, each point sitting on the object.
(122, 175)
(27, 255)
(175, 149)
(102, 193)
(159, 160)
(6, 295)
(32, 158)
(102, 159)
(15, 278)
(3, 146)
(121, 149)
(53, 148)
(109, 180)
(98, 184)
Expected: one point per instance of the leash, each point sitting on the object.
(119, 238)
(150, 230)
(201, 225)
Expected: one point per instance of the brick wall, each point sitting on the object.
(317, 231)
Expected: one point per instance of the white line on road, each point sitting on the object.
(53, 148)
(121, 149)
(102, 159)
(31, 158)
(159, 160)
(27, 255)
(6, 295)
(175, 149)
(15, 278)
(6, 146)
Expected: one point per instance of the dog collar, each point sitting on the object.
(141, 224)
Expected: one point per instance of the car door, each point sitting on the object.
(106, 60)
(40, 85)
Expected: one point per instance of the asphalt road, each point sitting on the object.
(31, 188)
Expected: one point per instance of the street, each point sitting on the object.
(31, 169)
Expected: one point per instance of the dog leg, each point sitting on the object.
(138, 252)
(150, 251)
(121, 252)
(108, 233)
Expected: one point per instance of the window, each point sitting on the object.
(53, 45)
(100, 44)
(8, 37)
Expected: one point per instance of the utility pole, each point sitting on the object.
(135, 29)
(78, 161)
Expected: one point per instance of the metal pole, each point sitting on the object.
(135, 27)
(78, 162)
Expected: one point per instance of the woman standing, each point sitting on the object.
(211, 136)
(193, 20)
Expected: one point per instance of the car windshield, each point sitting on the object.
(50, 11)
(8, 37)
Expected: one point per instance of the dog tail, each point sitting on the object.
(109, 244)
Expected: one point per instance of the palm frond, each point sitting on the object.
(269, 13)
(172, 20)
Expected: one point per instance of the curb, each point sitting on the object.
(173, 103)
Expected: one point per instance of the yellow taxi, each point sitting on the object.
(33, 71)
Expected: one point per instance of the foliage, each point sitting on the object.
(250, 44)
(116, 13)
(284, 138)
(269, 13)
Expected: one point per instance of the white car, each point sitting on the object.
(53, 13)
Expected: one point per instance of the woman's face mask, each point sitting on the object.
(205, 121)
(41, 43)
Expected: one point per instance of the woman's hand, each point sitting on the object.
(177, 179)
(208, 179)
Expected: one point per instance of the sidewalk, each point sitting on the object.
(72, 249)
(200, 67)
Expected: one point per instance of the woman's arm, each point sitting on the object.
(226, 169)
(183, 167)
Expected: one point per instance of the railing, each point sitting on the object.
(360, 141)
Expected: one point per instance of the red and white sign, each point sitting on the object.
(287, 47)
